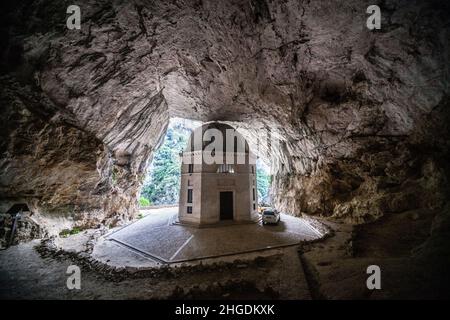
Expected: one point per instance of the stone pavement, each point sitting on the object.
(157, 237)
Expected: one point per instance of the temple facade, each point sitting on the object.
(218, 177)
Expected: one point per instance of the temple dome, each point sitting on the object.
(222, 127)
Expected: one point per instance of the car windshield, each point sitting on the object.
(268, 212)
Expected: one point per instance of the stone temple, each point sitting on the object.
(221, 187)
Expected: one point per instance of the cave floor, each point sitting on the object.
(272, 273)
(25, 274)
(156, 237)
(333, 268)
(336, 267)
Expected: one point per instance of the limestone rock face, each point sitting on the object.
(360, 115)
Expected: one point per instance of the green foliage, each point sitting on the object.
(144, 202)
(263, 183)
(163, 183)
(68, 232)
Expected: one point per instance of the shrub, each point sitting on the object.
(144, 202)
(67, 232)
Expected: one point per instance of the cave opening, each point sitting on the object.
(218, 213)
(161, 184)
(162, 178)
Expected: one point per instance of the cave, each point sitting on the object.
(353, 121)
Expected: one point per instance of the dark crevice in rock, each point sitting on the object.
(311, 278)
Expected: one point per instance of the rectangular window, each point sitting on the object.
(253, 169)
(254, 206)
(191, 168)
(189, 197)
(189, 209)
(254, 196)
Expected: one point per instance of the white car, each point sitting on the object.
(270, 216)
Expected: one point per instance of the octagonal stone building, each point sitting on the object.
(218, 177)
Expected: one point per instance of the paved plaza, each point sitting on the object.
(158, 237)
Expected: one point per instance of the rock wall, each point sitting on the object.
(62, 171)
(359, 113)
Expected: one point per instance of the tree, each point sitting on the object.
(263, 183)
(163, 182)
